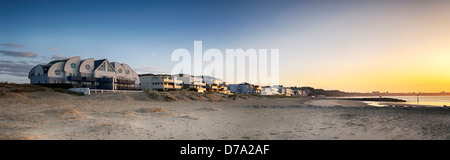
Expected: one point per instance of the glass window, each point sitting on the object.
(57, 72)
(120, 70)
(102, 67)
(127, 72)
(73, 65)
(110, 69)
(87, 66)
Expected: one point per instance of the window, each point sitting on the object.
(127, 72)
(73, 65)
(87, 66)
(120, 70)
(102, 67)
(110, 69)
(57, 72)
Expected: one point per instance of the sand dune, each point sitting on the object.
(47, 114)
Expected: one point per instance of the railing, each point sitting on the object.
(91, 86)
(104, 87)
(213, 87)
(77, 86)
(111, 91)
(89, 79)
(127, 88)
(123, 81)
(74, 78)
(104, 79)
(162, 80)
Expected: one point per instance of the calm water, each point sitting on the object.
(437, 101)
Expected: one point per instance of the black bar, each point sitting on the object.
(172, 149)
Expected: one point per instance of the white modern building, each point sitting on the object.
(190, 81)
(160, 82)
(244, 88)
(165, 82)
(284, 90)
(269, 90)
(86, 73)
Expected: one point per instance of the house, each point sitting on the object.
(215, 85)
(279, 88)
(256, 89)
(284, 90)
(190, 81)
(305, 91)
(269, 90)
(160, 82)
(244, 88)
(223, 88)
(288, 92)
(87, 73)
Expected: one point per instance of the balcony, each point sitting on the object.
(210, 86)
(198, 84)
(128, 88)
(177, 87)
(104, 87)
(123, 81)
(74, 78)
(163, 80)
(77, 85)
(104, 79)
(89, 79)
(90, 86)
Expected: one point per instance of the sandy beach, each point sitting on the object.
(54, 115)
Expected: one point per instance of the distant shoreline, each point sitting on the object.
(380, 99)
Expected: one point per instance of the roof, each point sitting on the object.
(140, 75)
(114, 64)
(56, 61)
(97, 63)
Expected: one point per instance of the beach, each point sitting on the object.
(54, 115)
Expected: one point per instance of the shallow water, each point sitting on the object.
(436, 101)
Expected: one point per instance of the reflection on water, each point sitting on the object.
(437, 101)
(377, 104)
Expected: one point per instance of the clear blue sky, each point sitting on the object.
(140, 33)
(350, 45)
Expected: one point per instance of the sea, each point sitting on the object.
(432, 101)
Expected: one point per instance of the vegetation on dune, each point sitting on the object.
(63, 90)
(16, 90)
(160, 95)
(193, 89)
(152, 94)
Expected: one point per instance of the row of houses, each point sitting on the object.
(246, 88)
(102, 74)
(166, 82)
(85, 73)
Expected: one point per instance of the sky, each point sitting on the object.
(348, 45)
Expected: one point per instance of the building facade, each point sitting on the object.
(160, 82)
(87, 73)
(190, 81)
(269, 90)
(166, 82)
(245, 88)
